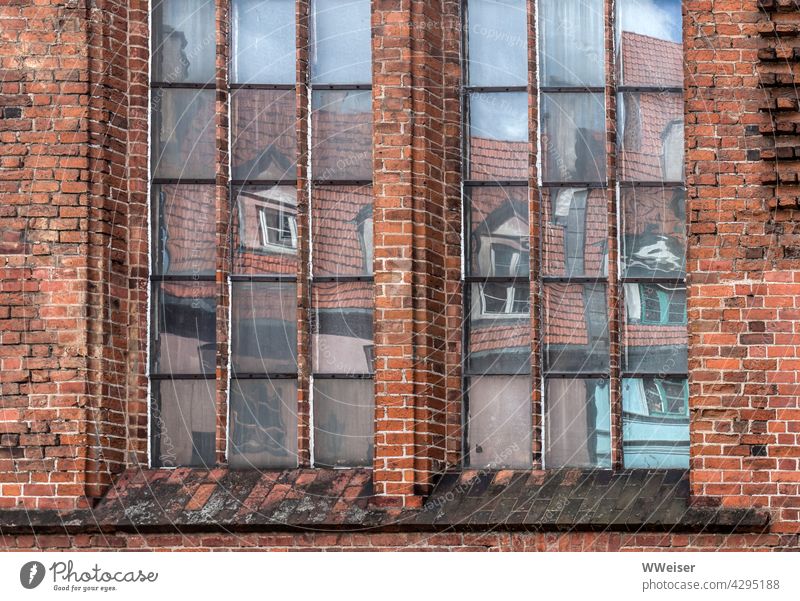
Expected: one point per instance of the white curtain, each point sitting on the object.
(571, 42)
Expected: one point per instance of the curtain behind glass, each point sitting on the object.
(571, 42)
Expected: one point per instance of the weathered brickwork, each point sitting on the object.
(65, 261)
(74, 275)
(492, 541)
(744, 283)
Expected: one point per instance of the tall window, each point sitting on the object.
(264, 235)
(497, 235)
(580, 203)
(341, 222)
(183, 292)
(652, 209)
(234, 257)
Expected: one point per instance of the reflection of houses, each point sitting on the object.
(341, 125)
(499, 314)
(184, 314)
(655, 418)
(263, 135)
(655, 422)
(654, 232)
(578, 422)
(576, 330)
(651, 122)
(655, 328)
(264, 230)
(574, 232)
(497, 160)
(342, 235)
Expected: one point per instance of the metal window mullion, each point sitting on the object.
(340, 182)
(615, 288)
(182, 376)
(622, 89)
(495, 279)
(242, 183)
(650, 184)
(262, 376)
(167, 181)
(288, 87)
(288, 279)
(335, 376)
(575, 184)
(512, 183)
(666, 281)
(333, 87)
(343, 279)
(468, 90)
(578, 375)
(572, 90)
(160, 277)
(655, 375)
(167, 85)
(223, 217)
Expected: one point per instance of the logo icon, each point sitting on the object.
(31, 574)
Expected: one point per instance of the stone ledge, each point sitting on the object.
(193, 500)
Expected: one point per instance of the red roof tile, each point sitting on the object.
(646, 120)
(595, 225)
(564, 314)
(337, 213)
(264, 134)
(649, 61)
(491, 159)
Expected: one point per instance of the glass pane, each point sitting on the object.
(500, 422)
(263, 424)
(650, 52)
(264, 136)
(184, 229)
(650, 137)
(574, 232)
(184, 422)
(184, 42)
(573, 138)
(499, 329)
(344, 417)
(498, 136)
(264, 230)
(263, 34)
(655, 423)
(264, 327)
(655, 332)
(342, 230)
(341, 48)
(571, 49)
(576, 328)
(341, 135)
(654, 232)
(342, 328)
(500, 240)
(498, 42)
(183, 134)
(184, 327)
(577, 423)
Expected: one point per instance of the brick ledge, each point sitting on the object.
(194, 500)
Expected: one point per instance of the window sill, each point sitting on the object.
(195, 500)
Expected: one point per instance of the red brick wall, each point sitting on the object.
(476, 541)
(64, 278)
(744, 292)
